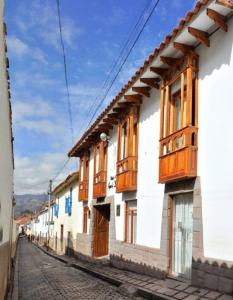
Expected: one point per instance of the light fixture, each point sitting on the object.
(104, 137)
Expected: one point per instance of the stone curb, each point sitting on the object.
(142, 292)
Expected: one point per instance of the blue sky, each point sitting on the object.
(94, 32)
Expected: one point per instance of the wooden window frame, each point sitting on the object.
(128, 138)
(84, 176)
(103, 156)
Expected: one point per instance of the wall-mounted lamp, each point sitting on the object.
(104, 137)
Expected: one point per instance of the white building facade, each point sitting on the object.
(6, 166)
(157, 183)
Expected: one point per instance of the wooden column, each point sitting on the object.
(130, 133)
(118, 142)
(182, 100)
(161, 113)
(167, 110)
(189, 97)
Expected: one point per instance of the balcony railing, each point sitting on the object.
(178, 155)
(83, 190)
(126, 178)
(99, 186)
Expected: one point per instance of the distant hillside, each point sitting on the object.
(29, 203)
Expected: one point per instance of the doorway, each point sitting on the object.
(101, 230)
(61, 237)
(182, 235)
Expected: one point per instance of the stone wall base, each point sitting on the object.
(84, 244)
(4, 272)
(139, 259)
(213, 274)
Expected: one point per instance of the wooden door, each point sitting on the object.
(182, 235)
(101, 230)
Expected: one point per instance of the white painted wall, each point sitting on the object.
(149, 192)
(6, 158)
(70, 223)
(215, 143)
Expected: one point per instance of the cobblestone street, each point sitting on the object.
(42, 277)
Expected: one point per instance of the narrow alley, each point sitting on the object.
(42, 277)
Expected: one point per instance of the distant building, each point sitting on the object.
(6, 166)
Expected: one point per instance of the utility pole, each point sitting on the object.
(49, 205)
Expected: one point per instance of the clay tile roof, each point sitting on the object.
(69, 179)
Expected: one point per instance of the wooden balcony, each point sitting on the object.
(83, 190)
(99, 186)
(178, 155)
(126, 178)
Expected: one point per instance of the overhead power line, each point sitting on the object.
(65, 71)
(132, 31)
(125, 59)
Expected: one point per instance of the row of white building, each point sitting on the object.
(154, 188)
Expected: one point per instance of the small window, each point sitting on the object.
(131, 221)
(85, 218)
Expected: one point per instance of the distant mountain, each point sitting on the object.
(29, 203)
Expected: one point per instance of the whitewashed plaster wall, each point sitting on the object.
(6, 158)
(149, 192)
(215, 143)
(70, 223)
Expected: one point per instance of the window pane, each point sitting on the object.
(178, 114)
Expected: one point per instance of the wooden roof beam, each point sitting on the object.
(201, 36)
(105, 126)
(118, 109)
(144, 90)
(160, 71)
(218, 19)
(113, 115)
(126, 104)
(110, 121)
(226, 3)
(170, 61)
(134, 98)
(152, 82)
(183, 47)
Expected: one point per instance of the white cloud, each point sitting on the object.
(21, 49)
(39, 116)
(35, 79)
(42, 18)
(38, 107)
(32, 174)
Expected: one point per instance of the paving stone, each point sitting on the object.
(191, 297)
(182, 286)
(212, 295)
(172, 283)
(201, 292)
(42, 277)
(225, 297)
(181, 295)
(162, 290)
(191, 289)
(171, 292)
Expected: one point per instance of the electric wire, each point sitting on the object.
(116, 62)
(65, 71)
(113, 67)
(124, 61)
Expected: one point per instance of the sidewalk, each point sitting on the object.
(147, 286)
